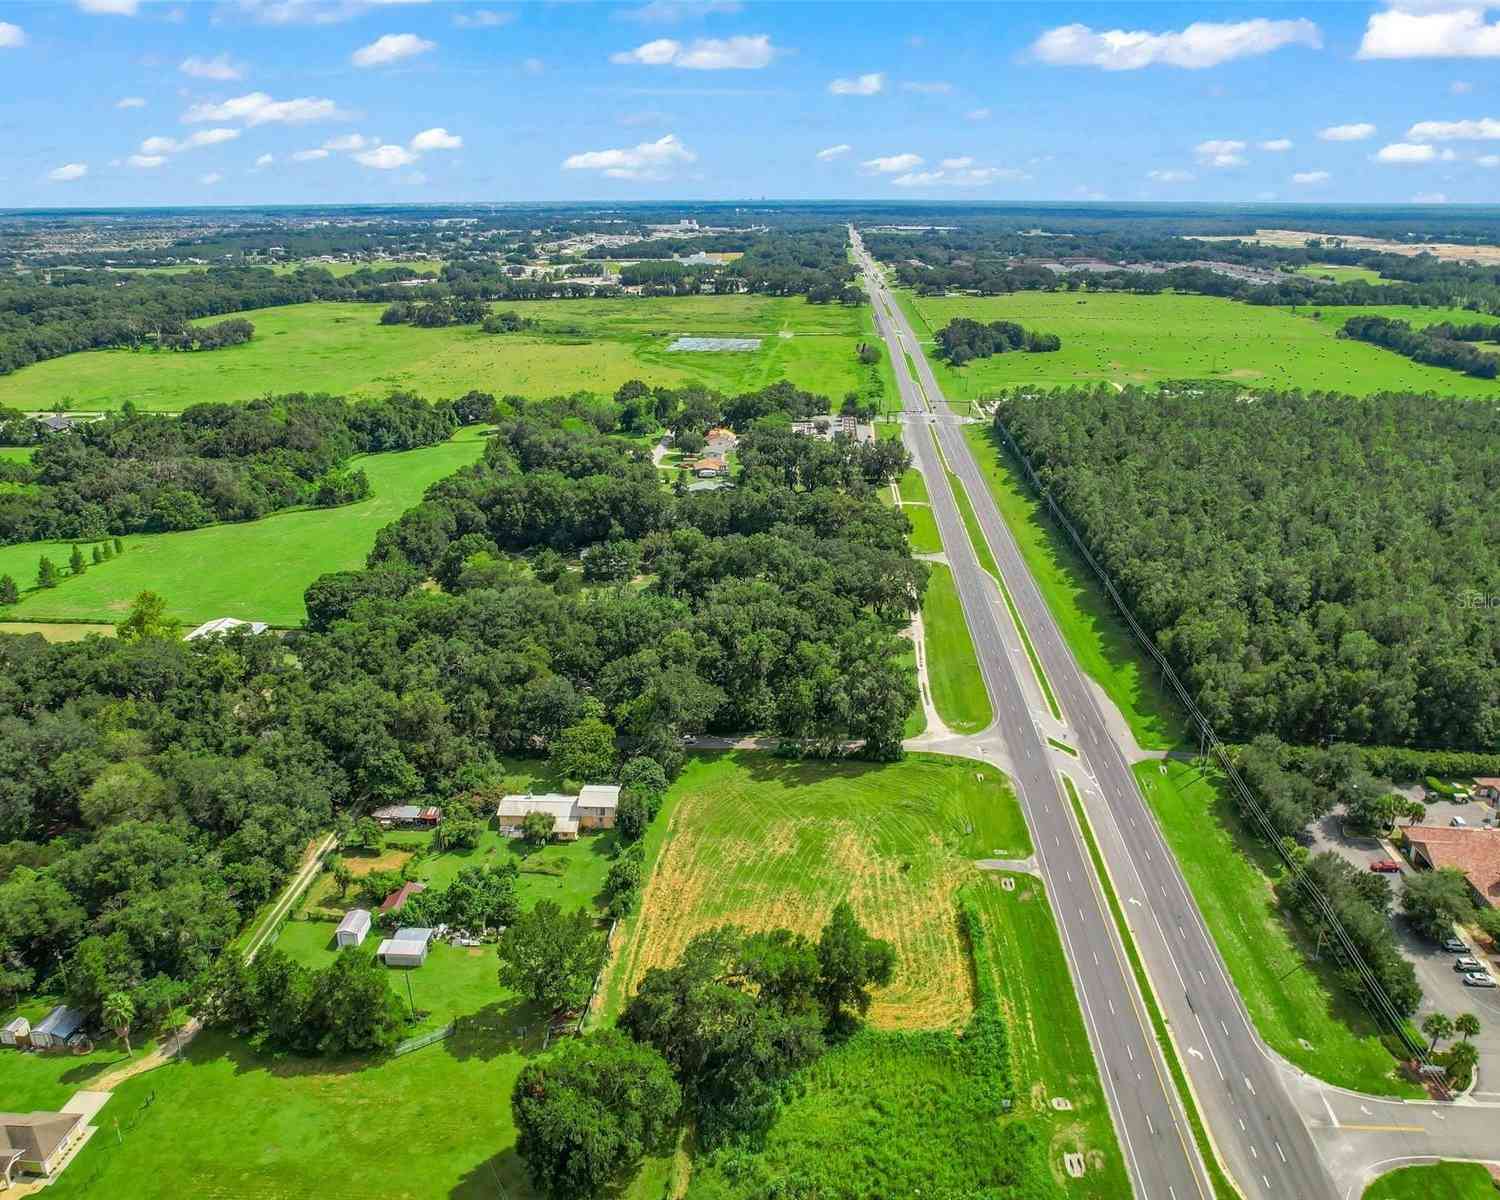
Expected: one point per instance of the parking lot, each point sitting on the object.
(1443, 989)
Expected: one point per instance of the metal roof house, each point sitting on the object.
(417, 815)
(593, 808)
(353, 929)
(405, 948)
(36, 1141)
(222, 625)
(56, 1028)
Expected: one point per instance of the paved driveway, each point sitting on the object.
(1443, 989)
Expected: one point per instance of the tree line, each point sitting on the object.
(1301, 559)
(1432, 344)
(133, 472)
(962, 339)
(234, 332)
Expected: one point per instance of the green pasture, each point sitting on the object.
(254, 570)
(1122, 338)
(1340, 274)
(579, 345)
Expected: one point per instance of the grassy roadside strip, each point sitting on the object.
(1098, 638)
(1063, 746)
(1224, 1189)
(987, 561)
(958, 691)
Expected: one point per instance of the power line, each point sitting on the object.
(1209, 740)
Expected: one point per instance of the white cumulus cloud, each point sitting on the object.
(435, 139)
(649, 160)
(1488, 160)
(257, 108)
(1220, 152)
(309, 155)
(938, 87)
(1356, 132)
(1275, 145)
(110, 8)
(833, 152)
(1170, 176)
(312, 12)
(1456, 30)
(349, 142)
(859, 85)
(210, 179)
(1306, 178)
(11, 36)
(1406, 152)
(743, 53)
(203, 137)
(386, 158)
(218, 67)
(130, 102)
(959, 177)
(68, 172)
(265, 160)
(893, 164)
(391, 48)
(1201, 44)
(1484, 129)
(673, 12)
(145, 161)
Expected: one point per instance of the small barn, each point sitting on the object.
(56, 1028)
(405, 948)
(353, 928)
(17, 1033)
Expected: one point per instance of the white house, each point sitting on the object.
(593, 808)
(353, 928)
(405, 948)
(16, 1033)
(224, 625)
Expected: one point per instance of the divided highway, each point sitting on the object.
(1252, 1119)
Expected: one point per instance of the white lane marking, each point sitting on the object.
(1196, 1053)
(1279, 1150)
(1150, 1124)
(1254, 1153)
(1249, 1085)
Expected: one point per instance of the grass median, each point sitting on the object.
(958, 690)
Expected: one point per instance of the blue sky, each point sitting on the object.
(134, 102)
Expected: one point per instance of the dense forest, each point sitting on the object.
(1435, 345)
(963, 339)
(1320, 567)
(153, 792)
(131, 472)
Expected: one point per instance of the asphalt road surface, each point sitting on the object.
(1252, 1118)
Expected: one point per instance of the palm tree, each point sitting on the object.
(119, 1012)
(1461, 1061)
(1438, 1027)
(1466, 1024)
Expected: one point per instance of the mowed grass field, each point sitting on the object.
(1436, 1181)
(958, 691)
(1050, 1052)
(1123, 339)
(254, 570)
(1339, 274)
(762, 842)
(581, 345)
(1230, 876)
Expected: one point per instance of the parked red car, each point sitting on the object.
(1386, 866)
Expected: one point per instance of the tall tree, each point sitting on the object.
(118, 1012)
(148, 619)
(850, 963)
(1438, 1028)
(551, 957)
(588, 1113)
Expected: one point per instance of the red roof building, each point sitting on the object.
(1475, 852)
(397, 899)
